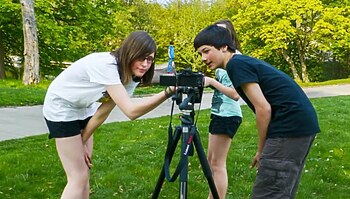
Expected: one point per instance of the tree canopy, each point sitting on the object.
(310, 40)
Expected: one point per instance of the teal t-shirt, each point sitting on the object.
(222, 105)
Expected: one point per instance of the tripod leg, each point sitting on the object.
(205, 165)
(183, 181)
(161, 177)
(184, 171)
(159, 184)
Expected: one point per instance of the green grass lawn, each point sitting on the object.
(14, 93)
(128, 158)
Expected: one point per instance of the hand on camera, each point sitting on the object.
(208, 82)
(170, 91)
(173, 89)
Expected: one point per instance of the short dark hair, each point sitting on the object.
(216, 36)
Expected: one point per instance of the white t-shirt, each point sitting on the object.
(73, 95)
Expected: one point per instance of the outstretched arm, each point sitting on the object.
(228, 91)
(121, 98)
(128, 107)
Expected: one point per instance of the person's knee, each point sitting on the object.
(216, 164)
(79, 178)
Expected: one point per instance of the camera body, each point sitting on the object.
(187, 82)
(186, 78)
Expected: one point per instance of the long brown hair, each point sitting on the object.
(136, 46)
(232, 30)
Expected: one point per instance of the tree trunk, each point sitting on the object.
(304, 74)
(291, 64)
(301, 46)
(31, 51)
(2, 59)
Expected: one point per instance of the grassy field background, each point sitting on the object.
(128, 157)
(14, 93)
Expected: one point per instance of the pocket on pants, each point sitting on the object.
(274, 178)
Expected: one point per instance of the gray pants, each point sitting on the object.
(281, 165)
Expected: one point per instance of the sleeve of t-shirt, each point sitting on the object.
(241, 72)
(223, 78)
(103, 73)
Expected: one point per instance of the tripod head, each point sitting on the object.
(187, 82)
(194, 95)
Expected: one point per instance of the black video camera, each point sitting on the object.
(186, 81)
(186, 78)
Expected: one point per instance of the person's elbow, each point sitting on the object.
(133, 118)
(132, 115)
(233, 95)
(264, 109)
(236, 97)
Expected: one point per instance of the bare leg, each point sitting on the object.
(72, 154)
(218, 148)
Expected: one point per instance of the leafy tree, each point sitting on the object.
(296, 36)
(189, 22)
(11, 36)
(335, 3)
(70, 29)
(333, 38)
(181, 22)
(280, 28)
(161, 26)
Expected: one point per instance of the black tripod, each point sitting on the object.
(190, 136)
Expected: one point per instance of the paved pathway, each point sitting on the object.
(20, 122)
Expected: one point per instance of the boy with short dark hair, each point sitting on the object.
(286, 120)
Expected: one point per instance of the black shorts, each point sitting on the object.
(66, 129)
(224, 125)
